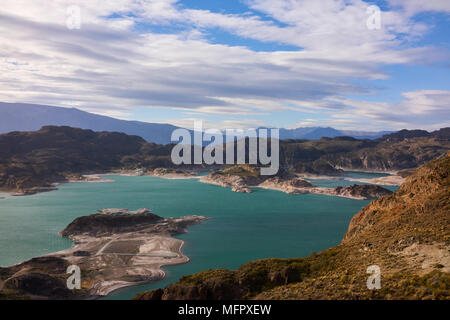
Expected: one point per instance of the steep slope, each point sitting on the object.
(405, 150)
(405, 234)
(29, 117)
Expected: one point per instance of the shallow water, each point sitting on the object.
(243, 227)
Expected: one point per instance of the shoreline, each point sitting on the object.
(391, 172)
(391, 180)
(92, 177)
(162, 272)
(139, 254)
(113, 251)
(314, 190)
(286, 186)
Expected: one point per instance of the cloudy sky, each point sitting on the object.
(233, 63)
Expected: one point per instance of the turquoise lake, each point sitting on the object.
(243, 227)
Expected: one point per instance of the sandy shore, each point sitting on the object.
(91, 178)
(113, 249)
(292, 186)
(126, 260)
(391, 172)
(175, 176)
(112, 262)
(100, 178)
(393, 180)
(308, 190)
(159, 173)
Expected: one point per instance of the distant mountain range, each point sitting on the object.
(313, 133)
(30, 117)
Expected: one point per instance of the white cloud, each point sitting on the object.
(109, 67)
(221, 125)
(412, 7)
(427, 109)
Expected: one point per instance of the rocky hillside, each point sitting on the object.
(402, 150)
(405, 234)
(31, 161)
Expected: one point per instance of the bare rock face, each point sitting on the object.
(235, 182)
(117, 212)
(241, 178)
(162, 172)
(290, 182)
(241, 189)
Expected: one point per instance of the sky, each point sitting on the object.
(348, 64)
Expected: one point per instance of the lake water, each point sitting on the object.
(243, 227)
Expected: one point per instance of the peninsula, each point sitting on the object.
(242, 178)
(114, 248)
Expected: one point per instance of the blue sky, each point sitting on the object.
(234, 63)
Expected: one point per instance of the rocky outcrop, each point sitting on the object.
(111, 221)
(242, 180)
(235, 183)
(172, 173)
(362, 191)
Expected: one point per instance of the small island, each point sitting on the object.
(242, 178)
(114, 248)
